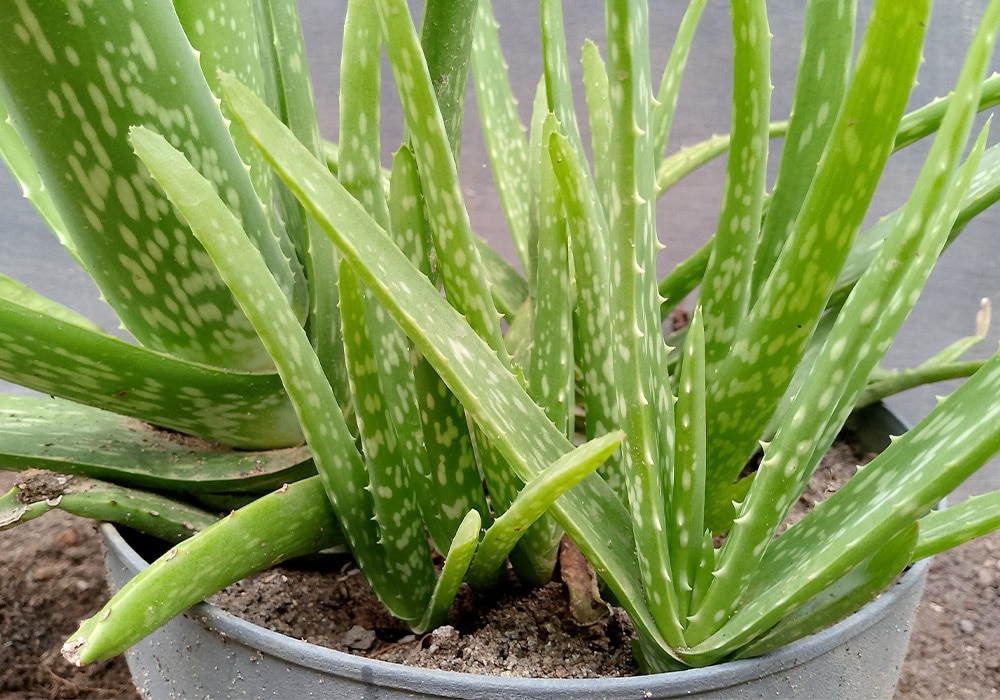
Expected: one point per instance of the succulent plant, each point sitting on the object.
(327, 349)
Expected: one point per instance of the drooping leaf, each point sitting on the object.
(255, 537)
(64, 437)
(50, 355)
(39, 492)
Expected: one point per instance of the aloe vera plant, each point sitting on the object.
(328, 351)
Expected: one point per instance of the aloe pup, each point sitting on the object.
(328, 352)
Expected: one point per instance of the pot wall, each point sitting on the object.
(207, 653)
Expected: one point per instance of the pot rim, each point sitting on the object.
(300, 653)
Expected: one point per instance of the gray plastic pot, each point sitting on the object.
(207, 653)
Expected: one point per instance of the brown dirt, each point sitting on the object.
(51, 576)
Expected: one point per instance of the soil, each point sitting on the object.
(51, 576)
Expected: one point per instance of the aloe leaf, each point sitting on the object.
(559, 95)
(334, 452)
(461, 267)
(944, 365)
(254, 538)
(503, 133)
(596, 91)
(824, 71)
(297, 109)
(389, 414)
(684, 279)
(533, 500)
(726, 287)
(687, 499)
(536, 553)
(879, 303)
(59, 358)
(670, 81)
(551, 372)
(905, 481)
(645, 403)
(39, 492)
(685, 161)
(509, 288)
(225, 37)
(142, 256)
(926, 120)
(446, 37)
(593, 319)
(590, 513)
(944, 529)
(535, 557)
(884, 296)
(983, 192)
(64, 437)
(913, 126)
(450, 485)
(860, 336)
(456, 564)
(539, 113)
(768, 346)
(558, 89)
(395, 508)
(23, 295)
(457, 253)
(858, 587)
(15, 155)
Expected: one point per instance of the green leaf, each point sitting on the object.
(446, 37)
(39, 492)
(768, 346)
(225, 37)
(458, 256)
(551, 370)
(64, 437)
(22, 295)
(590, 513)
(378, 354)
(596, 91)
(503, 133)
(947, 528)
(670, 81)
(255, 537)
(396, 512)
(456, 564)
(685, 161)
(594, 348)
(908, 479)
(533, 500)
(283, 42)
(859, 586)
(687, 490)
(645, 401)
(334, 452)
(71, 107)
(448, 482)
(50, 355)
(856, 343)
(824, 71)
(15, 155)
(726, 287)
